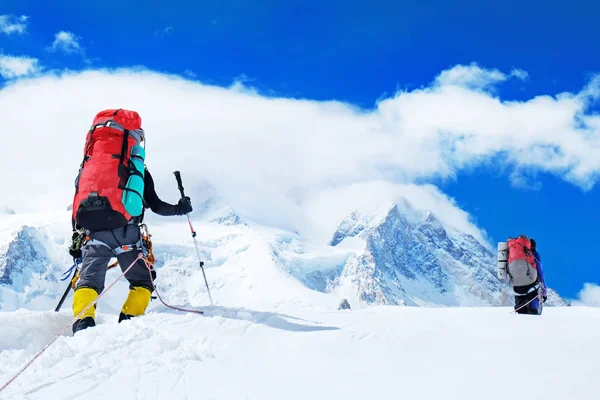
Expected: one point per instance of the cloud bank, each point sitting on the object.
(272, 157)
(588, 296)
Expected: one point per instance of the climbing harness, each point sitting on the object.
(531, 289)
(144, 245)
(147, 244)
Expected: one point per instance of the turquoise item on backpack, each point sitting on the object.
(133, 194)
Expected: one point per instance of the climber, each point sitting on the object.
(113, 189)
(527, 296)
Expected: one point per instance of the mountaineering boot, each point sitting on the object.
(136, 303)
(83, 323)
(81, 299)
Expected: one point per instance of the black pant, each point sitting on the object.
(532, 307)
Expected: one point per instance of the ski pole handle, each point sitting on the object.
(179, 184)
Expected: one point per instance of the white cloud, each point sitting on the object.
(475, 77)
(164, 32)
(588, 296)
(10, 24)
(470, 76)
(13, 67)
(520, 74)
(66, 42)
(273, 157)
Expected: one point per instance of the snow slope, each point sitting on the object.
(379, 352)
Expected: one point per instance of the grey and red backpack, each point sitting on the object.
(516, 261)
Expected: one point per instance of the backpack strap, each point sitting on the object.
(123, 169)
(86, 156)
(125, 146)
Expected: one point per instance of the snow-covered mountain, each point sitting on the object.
(395, 256)
(555, 300)
(33, 253)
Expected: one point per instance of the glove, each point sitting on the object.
(76, 254)
(184, 206)
(544, 294)
(77, 241)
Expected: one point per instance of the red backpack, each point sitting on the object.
(521, 268)
(104, 171)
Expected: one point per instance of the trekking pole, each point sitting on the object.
(68, 289)
(180, 186)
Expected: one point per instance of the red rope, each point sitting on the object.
(149, 267)
(525, 305)
(39, 353)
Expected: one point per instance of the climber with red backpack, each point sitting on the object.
(520, 263)
(112, 191)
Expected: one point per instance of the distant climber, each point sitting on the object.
(520, 263)
(112, 191)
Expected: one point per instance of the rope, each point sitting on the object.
(149, 262)
(39, 353)
(526, 304)
(150, 269)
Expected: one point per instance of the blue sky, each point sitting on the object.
(359, 52)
